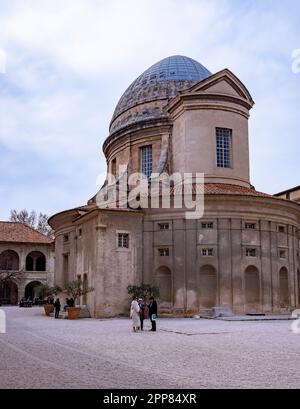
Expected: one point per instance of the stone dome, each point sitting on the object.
(160, 82)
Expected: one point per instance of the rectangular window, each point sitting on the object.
(250, 252)
(66, 238)
(79, 232)
(223, 140)
(281, 229)
(146, 161)
(207, 225)
(207, 252)
(164, 252)
(114, 167)
(163, 226)
(282, 254)
(250, 226)
(65, 268)
(123, 240)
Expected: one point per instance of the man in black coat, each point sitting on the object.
(152, 312)
(57, 308)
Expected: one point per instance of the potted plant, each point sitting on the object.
(46, 292)
(76, 289)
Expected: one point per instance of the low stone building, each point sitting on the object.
(242, 253)
(290, 194)
(25, 251)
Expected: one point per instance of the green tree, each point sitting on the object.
(36, 221)
(143, 291)
(77, 288)
(44, 290)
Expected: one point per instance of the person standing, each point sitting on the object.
(135, 314)
(152, 313)
(142, 312)
(57, 307)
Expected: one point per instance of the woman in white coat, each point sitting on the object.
(135, 314)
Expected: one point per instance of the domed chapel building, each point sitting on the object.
(243, 253)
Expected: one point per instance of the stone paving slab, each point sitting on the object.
(41, 352)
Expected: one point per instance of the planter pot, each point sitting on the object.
(73, 313)
(49, 308)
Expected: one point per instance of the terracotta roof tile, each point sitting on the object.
(225, 189)
(20, 233)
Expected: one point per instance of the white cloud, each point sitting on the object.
(68, 62)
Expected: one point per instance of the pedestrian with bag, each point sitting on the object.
(152, 313)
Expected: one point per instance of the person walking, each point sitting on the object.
(135, 314)
(152, 313)
(57, 308)
(142, 312)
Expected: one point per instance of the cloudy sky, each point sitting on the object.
(64, 65)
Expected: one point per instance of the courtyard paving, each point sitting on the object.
(41, 352)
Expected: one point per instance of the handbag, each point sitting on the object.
(153, 317)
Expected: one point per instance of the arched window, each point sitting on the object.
(36, 261)
(284, 296)
(164, 282)
(207, 287)
(252, 289)
(9, 260)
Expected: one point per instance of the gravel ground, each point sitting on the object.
(41, 352)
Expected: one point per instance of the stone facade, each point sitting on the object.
(242, 254)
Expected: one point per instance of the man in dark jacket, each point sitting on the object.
(152, 312)
(57, 307)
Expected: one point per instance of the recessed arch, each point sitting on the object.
(284, 296)
(164, 282)
(207, 286)
(31, 290)
(9, 260)
(8, 292)
(36, 261)
(252, 289)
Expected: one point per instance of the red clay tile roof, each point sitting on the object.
(20, 233)
(224, 189)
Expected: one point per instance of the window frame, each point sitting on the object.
(224, 156)
(207, 252)
(207, 225)
(249, 250)
(248, 224)
(122, 233)
(146, 173)
(160, 224)
(164, 252)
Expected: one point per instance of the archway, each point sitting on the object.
(207, 287)
(164, 282)
(252, 289)
(8, 292)
(284, 296)
(31, 290)
(9, 260)
(36, 261)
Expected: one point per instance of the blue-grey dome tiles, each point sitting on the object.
(162, 80)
